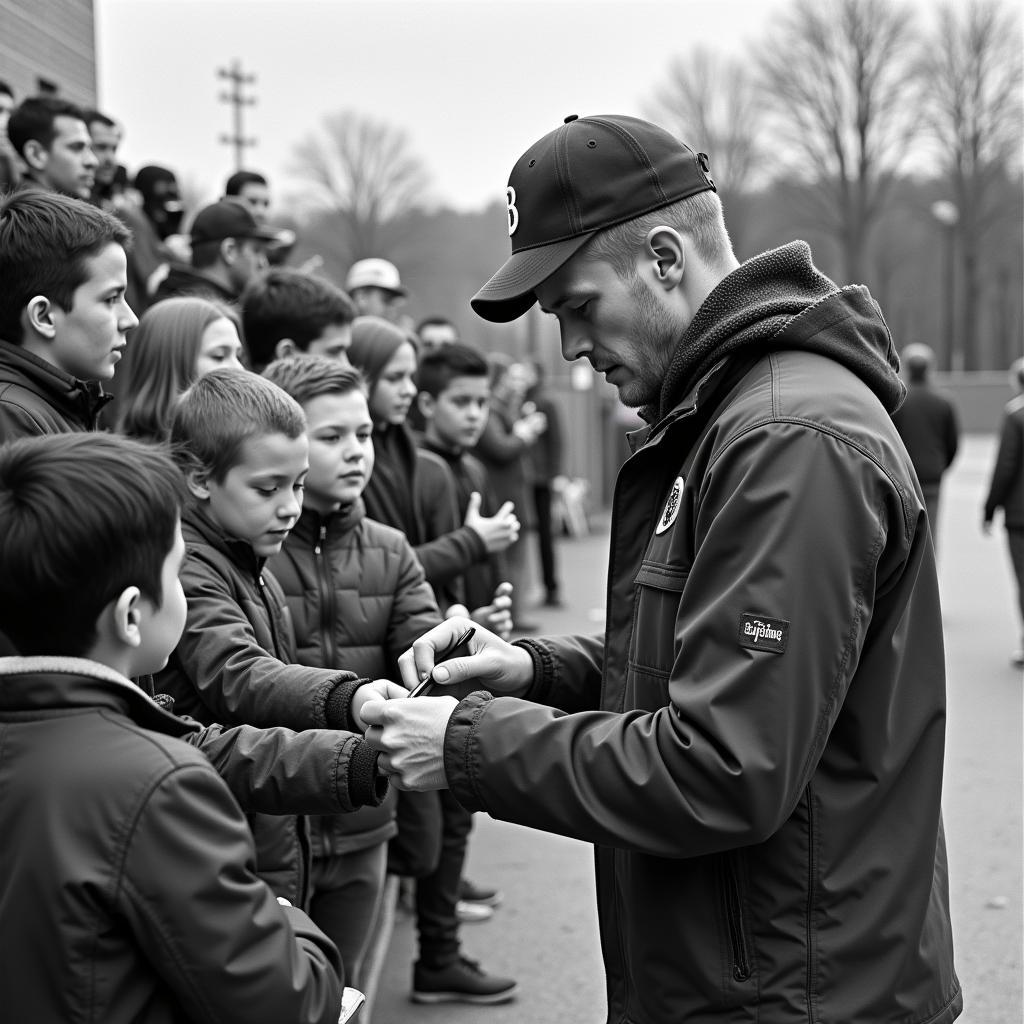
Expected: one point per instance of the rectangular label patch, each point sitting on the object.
(760, 633)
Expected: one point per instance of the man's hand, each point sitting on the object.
(378, 690)
(497, 616)
(493, 664)
(499, 531)
(410, 736)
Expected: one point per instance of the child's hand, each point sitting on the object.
(499, 531)
(379, 689)
(497, 616)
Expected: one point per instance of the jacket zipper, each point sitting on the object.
(328, 647)
(735, 921)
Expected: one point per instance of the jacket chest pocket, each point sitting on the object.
(653, 646)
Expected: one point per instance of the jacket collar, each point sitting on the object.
(311, 523)
(198, 528)
(48, 682)
(74, 399)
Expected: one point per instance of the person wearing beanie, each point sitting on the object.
(755, 745)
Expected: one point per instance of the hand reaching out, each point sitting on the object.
(499, 531)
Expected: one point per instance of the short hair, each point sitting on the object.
(83, 516)
(436, 321)
(92, 116)
(308, 377)
(699, 217)
(438, 368)
(160, 362)
(45, 240)
(34, 118)
(287, 303)
(224, 409)
(240, 179)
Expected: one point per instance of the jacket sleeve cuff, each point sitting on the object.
(545, 670)
(459, 750)
(337, 706)
(367, 786)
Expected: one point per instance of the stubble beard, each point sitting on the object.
(656, 335)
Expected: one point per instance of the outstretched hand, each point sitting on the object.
(409, 734)
(378, 690)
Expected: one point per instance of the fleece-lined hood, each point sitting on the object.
(781, 300)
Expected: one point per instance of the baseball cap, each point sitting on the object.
(227, 219)
(590, 173)
(374, 273)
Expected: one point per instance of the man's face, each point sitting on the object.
(69, 164)
(334, 342)
(89, 338)
(340, 449)
(395, 389)
(622, 327)
(160, 627)
(456, 418)
(378, 302)
(250, 260)
(260, 497)
(105, 140)
(256, 198)
(433, 336)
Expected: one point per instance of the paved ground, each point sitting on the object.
(546, 934)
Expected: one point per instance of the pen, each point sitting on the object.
(464, 639)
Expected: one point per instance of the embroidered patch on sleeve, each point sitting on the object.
(760, 633)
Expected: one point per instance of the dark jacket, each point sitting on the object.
(758, 758)
(126, 873)
(462, 473)
(1006, 489)
(927, 422)
(38, 398)
(184, 280)
(235, 663)
(506, 457)
(357, 598)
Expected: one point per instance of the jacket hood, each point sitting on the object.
(780, 300)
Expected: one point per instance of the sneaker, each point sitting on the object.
(473, 913)
(463, 981)
(473, 893)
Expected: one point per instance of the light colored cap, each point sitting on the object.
(374, 273)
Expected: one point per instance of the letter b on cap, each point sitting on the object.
(513, 212)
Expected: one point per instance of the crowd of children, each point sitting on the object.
(201, 587)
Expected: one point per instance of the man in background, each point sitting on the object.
(51, 137)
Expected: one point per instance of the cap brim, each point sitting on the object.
(509, 293)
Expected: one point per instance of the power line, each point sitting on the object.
(238, 100)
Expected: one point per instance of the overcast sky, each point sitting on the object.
(472, 82)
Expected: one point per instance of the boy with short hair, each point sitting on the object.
(286, 312)
(358, 597)
(242, 443)
(127, 885)
(63, 314)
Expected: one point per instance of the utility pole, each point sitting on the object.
(238, 100)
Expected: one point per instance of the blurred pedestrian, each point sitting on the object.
(927, 422)
(105, 135)
(10, 172)
(376, 288)
(755, 747)
(435, 331)
(252, 190)
(51, 137)
(1006, 490)
(228, 251)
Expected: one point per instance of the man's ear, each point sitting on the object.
(197, 481)
(37, 318)
(228, 250)
(427, 403)
(36, 155)
(668, 249)
(125, 617)
(285, 348)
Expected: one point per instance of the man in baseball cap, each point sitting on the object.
(755, 746)
(376, 288)
(228, 250)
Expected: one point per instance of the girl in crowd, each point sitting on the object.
(176, 342)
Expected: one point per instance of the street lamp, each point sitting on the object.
(947, 214)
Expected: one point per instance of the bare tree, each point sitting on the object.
(362, 170)
(838, 78)
(972, 72)
(710, 101)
